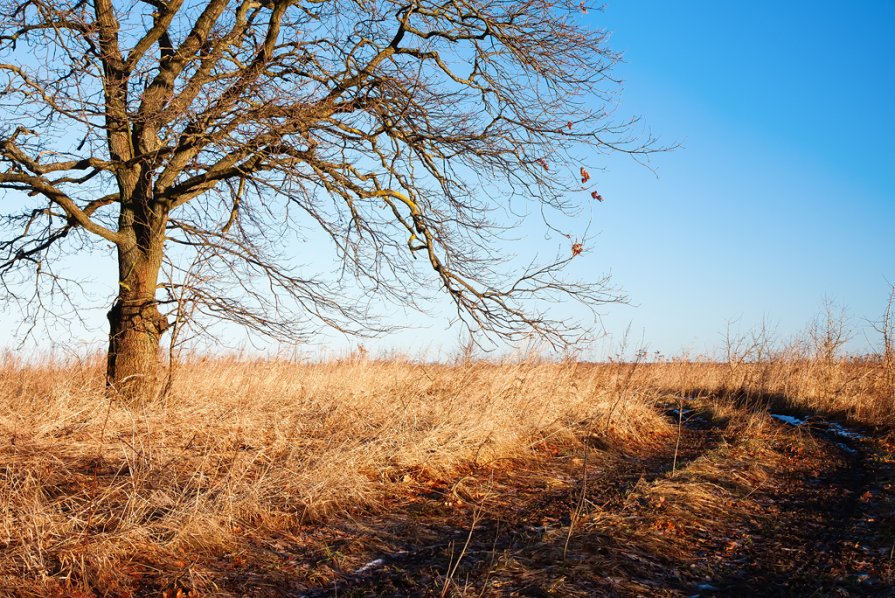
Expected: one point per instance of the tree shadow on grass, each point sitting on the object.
(617, 523)
(794, 541)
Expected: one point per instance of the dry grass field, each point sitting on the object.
(366, 477)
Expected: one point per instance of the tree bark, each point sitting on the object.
(135, 323)
(135, 330)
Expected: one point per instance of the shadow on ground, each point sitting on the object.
(721, 506)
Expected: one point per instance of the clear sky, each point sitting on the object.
(782, 192)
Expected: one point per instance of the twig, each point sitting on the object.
(580, 506)
(680, 426)
(452, 570)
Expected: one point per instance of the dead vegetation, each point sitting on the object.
(309, 471)
(92, 488)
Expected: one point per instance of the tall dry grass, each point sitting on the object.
(811, 372)
(857, 390)
(90, 488)
(94, 493)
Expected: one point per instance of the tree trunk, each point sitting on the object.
(135, 323)
(135, 330)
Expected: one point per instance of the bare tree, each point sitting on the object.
(204, 131)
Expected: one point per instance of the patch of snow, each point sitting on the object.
(374, 564)
(842, 432)
(846, 448)
(676, 412)
(788, 419)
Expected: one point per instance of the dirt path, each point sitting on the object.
(832, 529)
(745, 505)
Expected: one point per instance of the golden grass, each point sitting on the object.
(93, 493)
(89, 487)
(859, 390)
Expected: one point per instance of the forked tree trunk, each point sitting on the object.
(135, 323)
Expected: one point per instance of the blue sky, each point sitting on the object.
(783, 191)
(781, 194)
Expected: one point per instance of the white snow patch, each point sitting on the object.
(847, 448)
(369, 566)
(789, 419)
(838, 430)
